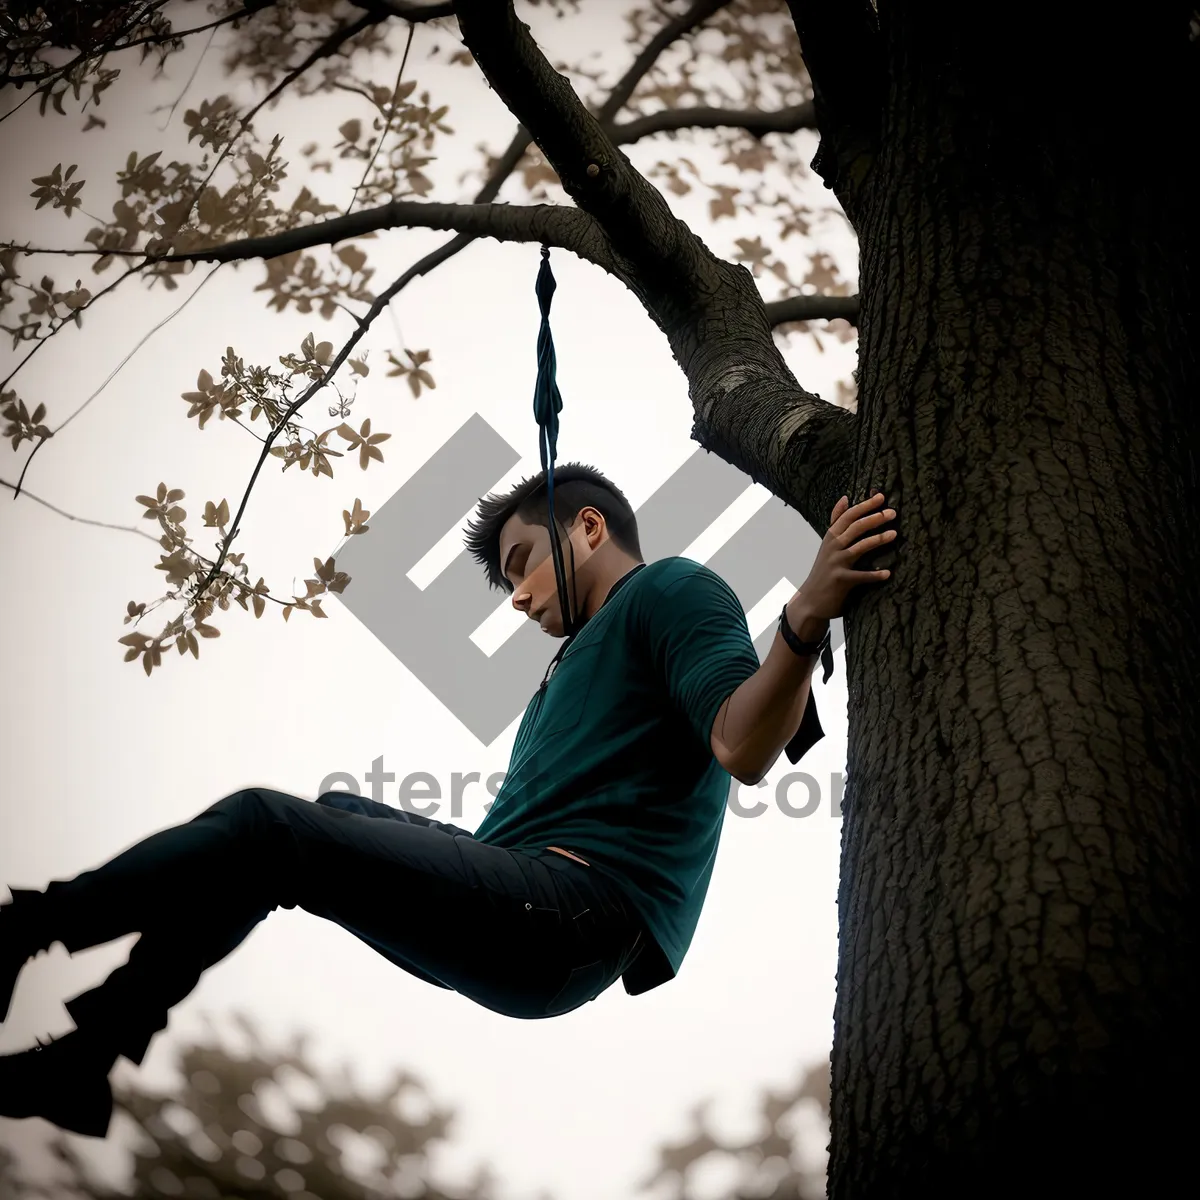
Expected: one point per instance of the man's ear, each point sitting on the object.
(594, 526)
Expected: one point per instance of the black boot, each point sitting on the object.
(64, 1082)
(19, 942)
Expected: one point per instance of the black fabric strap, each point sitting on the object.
(807, 649)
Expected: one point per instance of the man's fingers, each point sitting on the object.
(858, 511)
(872, 519)
(860, 547)
(854, 578)
(855, 538)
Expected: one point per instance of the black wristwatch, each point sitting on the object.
(808, 649)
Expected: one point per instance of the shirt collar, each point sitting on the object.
(612, 591)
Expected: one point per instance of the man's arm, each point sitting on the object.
(762, 716)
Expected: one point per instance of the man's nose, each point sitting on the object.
(521, 600)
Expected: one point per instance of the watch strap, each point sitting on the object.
(808, 649)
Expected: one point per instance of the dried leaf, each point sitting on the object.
(353, 257)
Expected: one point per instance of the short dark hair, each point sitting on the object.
(576, 486)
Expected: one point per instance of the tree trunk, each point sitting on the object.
(1017, 984)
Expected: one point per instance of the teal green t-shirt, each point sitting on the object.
(613, 761)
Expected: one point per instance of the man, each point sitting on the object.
(591, 865)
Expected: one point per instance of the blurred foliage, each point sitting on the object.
(258, 1124)
(779, 1163)
(266, 1124)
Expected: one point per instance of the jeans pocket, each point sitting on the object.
(583, 984)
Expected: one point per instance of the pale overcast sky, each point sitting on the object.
(96, 756)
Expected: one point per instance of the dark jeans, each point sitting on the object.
(524, 934)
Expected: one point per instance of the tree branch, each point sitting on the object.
(670, 33)
(381, 9)
(330, 46)
(77, 312)
(616, 100)
(387, 128)
(753, 121)
(546, 224)
(378, 305)
(594, 174)
(749, 408)
(587, 246)
(62, 512)
(54, 74)
(111, 376)
(812, 308)
(549, 224)
(414, 12)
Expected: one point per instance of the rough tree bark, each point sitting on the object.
(1017, 956)
(1017, 962)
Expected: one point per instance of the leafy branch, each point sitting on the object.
(198, 593)
(575, 147)
(164, 36)
(566, 228)
(212, 123)
(501, 170)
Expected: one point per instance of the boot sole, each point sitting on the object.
(7, 988)
(90, 1121)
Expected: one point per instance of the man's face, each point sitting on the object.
(526, 562)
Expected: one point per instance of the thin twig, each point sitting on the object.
(111, 375)
(15, 489)
(227, 19)
(79, 311)
(17, 107)
(667, 36)
(388, 126)
(62, 512)
(190, 80)
(141, 342)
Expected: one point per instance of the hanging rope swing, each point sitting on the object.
(547, 404)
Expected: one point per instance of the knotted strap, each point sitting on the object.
(547, 404)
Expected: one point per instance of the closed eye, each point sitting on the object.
(515, 562)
